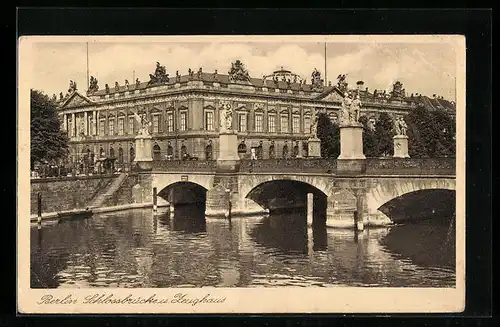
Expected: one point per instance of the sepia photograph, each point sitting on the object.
(219, 169)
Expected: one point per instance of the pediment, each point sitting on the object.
(77, 100)
(333, 95)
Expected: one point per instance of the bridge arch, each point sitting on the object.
(387, 190)
(183, 192)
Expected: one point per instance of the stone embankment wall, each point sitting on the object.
(66, 193)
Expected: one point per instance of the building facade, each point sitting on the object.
(272, 115)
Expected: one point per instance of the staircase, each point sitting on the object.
(101, 197)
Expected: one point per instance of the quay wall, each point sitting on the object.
(66, 193)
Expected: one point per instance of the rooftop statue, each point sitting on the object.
(341, 82)
(316, 81)
(238, 73)
(200, 71)
(215, 75)
(397, 91)
(177, 76)
(127, 84)
(61, 96)
(107, 88)
(137, 83)
(93, 87)
(160, 75)
(117, 87)
(72, 87)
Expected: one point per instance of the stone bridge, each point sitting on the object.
(279, 184)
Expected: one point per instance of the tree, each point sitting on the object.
(329, 134)
(430, 133)
(369, 141)
(48, 142)
(384, 131)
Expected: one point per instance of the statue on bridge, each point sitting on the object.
(400, 126)
(145, 124)
(226, 117)
(349, 114)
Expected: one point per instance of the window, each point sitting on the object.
(296, 124)
(208, 152)
(131, 125)
(120, 155)
(258, 122)
(285, 151)
(156, 123)
(132, 154)
(284, 124)
(242, 122)
(183, 122)
(111, 127)
(111, 152)
(307, 124)
(170, 122)
(271, 123)
(121, 125)
(209, 120)
(102, 124)
(272, 152)
(156, 152)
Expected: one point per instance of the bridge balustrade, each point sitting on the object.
(185, 165)
(295, 165)
(410, 166)
(374, 166)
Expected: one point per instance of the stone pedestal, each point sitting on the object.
(351, 159)
(314, 147)
(228, 160)
(401, 146)
(143, 152)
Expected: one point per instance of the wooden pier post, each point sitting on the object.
(155, 200)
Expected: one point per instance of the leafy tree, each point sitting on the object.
(369, 141)
(383, 134)
(48, 142)
(329, 134)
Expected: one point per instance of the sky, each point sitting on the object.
(425, 68)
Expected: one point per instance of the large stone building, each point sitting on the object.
(272, 114)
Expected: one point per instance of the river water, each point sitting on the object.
(136, 249)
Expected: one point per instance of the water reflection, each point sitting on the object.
(183, 249)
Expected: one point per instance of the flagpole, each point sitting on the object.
(326, 83)
(88, 82)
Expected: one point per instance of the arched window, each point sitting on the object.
(183, 152)
(242, 150)
(102, 154)
(170, 150)
(258, 152)
(120, 155)
(272, 152)
(111, 152)
(295, 151)
(208, 152)
(132, 154)
(285, 151)
(156, 152)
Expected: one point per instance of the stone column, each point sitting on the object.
(360, 210)
(400, 146)
(310, 206)
(73, 125)
(94, 122)
(65, 122)
(86, 124)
